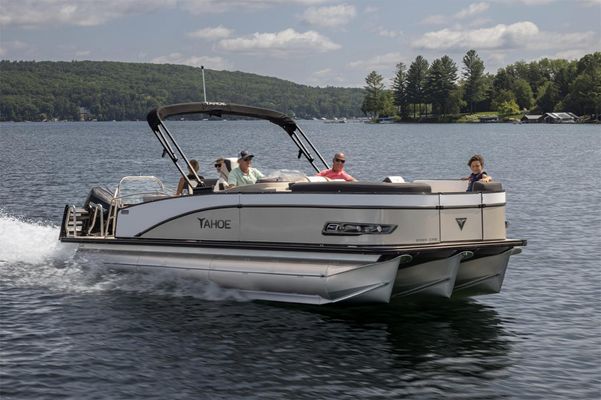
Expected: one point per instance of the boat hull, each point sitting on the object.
(308, 277)
(483, 275)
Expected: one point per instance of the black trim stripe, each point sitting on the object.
(280, 246)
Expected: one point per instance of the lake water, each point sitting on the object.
(68, 332)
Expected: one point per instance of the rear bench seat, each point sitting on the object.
(359, 187)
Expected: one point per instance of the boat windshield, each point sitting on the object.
(137, 189)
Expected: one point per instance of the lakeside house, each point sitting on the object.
(532, 119)
(550, 118)
(489, 118)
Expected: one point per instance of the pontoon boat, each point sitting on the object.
(297, 240)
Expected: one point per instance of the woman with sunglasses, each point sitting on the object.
(223, 167)
(337, 170)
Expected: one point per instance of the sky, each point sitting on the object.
(313, 42)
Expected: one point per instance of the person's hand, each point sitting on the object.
(465, 178)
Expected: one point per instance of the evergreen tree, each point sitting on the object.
(440, 83)
(473, 74)
(374, 91)
(416, 82)
(399, 89)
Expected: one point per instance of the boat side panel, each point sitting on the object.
(461, 224)
(302, 225)
(493, 223)
(133, 220)
(214, 224)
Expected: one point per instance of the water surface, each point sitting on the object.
(71, 331)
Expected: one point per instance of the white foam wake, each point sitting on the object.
(32, 256)
(30, 242)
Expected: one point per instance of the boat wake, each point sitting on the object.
(31, 256)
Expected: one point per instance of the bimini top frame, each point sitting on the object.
(157, 116)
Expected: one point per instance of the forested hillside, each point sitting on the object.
(127, 91)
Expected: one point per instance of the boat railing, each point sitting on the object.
(97, 215)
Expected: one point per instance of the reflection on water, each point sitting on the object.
(418, 331)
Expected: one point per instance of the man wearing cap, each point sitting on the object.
(337, 170)
(244, 174)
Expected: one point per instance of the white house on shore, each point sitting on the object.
(551, 118)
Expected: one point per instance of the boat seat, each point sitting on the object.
(445, 185)
(152, 197)
(487, 187)
(210, 181)
(359, 187)
(261, 188)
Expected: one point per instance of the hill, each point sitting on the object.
(36, 91)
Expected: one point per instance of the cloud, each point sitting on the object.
(286, 42)
(585, 3)
(523, 34)
(572, 54)
(199, 7)
(216, 63)
(329, 17)
(218, 32)
(384, 61)
(591, 3)
(470, 11)
(389, 33)
(32, 13)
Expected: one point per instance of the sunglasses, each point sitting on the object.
(339, 160)
(217, 165)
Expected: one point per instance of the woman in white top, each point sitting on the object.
(223, 166)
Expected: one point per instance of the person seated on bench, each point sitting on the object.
(183, 187)
(223, 167)
(476, 164)
(337, 170)
(244, 174)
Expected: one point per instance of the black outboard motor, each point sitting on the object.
(97, 196)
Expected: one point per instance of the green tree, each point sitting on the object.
(374, 90)
(548, 97)
(523, 94)
(473, 74)
(387, 103)
(440, 83)
(399, 90)
(416, 83)
(508, 108)
(503, 96)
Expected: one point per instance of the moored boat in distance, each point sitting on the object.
(293, 239)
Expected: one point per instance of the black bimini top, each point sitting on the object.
(157, 117)
(219, 109)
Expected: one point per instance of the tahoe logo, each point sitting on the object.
(215, 223)
(461, 222)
